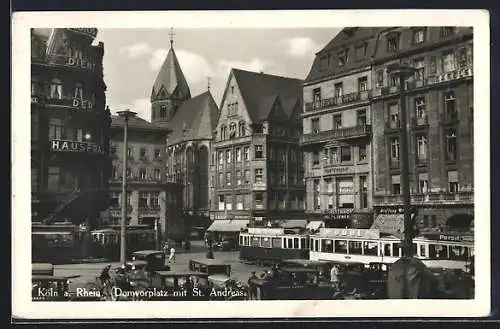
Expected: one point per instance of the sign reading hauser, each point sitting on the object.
(58, 145)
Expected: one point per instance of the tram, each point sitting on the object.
(106, 241)
(56, 243)
(267, 245)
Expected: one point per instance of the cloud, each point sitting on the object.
(157, 58)
(137, 50)
(140, 105)
(300, 47)
(255, 65)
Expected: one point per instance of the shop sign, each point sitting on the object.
(338, 170)
(349, 232)
(82, 103)
(339, 214)
(450, 237)
(58, 145)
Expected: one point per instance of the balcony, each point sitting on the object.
(421, 162)
(428, 198)
(338, 100)
(336, 134)
(460, 73)
(66, 102)
(419, 122)
(65, 61)
(71, 146)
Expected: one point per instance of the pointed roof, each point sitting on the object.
(170, 79)
(195, 119)
(260, 91)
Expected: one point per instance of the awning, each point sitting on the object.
(293, 223)
(234, 225)
(315, 225)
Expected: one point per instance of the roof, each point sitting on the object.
(196, 118)
(136, 123)
(347, 38)
(180, 273)
(170, 81)
(260, 91)
(209, 262)
(146, 252)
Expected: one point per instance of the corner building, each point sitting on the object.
(70, 166)
(439, 107)
(336, 140)
(256, 166)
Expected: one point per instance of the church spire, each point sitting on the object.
(172, 34)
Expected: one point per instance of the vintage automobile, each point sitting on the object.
(179, 285)
(210, 266)
(293, 283)
(42, 269)
(155, 259)
(49, 287)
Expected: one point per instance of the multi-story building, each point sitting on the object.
(337, 130)
(191, 121)
(256, 166)
(439, 107)
(69, 126)
(151, 199)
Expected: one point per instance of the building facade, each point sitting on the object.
(70, 166)
(191, 121)
(256, 172)
(439, 106)
(151, 199)
(337, 139)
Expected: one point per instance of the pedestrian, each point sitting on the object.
(251, 287)
(205, 238)
(334, 277)
(210, 253)
(171, 258)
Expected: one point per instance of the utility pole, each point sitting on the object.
(126, 115)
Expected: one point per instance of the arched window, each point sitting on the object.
(232, 130)
(241, 129)
(56, 88)
(223, 132)
(78, 90)
(163, 112)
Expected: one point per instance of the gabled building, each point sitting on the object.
(191, 122)
(337, 130)
(256, 166)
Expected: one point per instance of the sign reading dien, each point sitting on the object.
(75, 146)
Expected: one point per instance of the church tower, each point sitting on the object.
(170, 88)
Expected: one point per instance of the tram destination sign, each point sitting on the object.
(350, 232)
(58, 145)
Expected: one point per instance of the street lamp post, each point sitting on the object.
(126, 115)
(404, 71)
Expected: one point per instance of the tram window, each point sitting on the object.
(247, 240)
(422, 250)
(355, 247)
(255, 242)
(316, 245)
(370, 248)
(414, 246)
(327, 245)
(438, 251)
(240, 240)
(289, 243)
(341, 246)
(266, 242)
(396, 249)
(276, 243)
(296, 243)
(387, 249)
(458, 252)
(303, 243)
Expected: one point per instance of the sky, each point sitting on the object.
(132, 58)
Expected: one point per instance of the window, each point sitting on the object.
(380, 78)
(433, 65)
(420, 111)
(157, 174)
(223, 131)
(448, 30)
(78, 90)
(142, 173)
(423, 182)
(241, 129)
(142, 152)
(316, 195)
(451, 145)
(163, 112)
(396, 184)
(221, 179)
(448, 62)
(258, 152)
(418, 36)
(337, 121)
(363, 84)
(238, 155)
(355, 248)
(222, 202)
(238, 177)
(419, 66)
(464, 57)
(221, 157)
(143, 200)
(239, 202)
(232, 89)
(316, 94)
(228, 179)
(394, 115)
(114, 173)
(259, 198)
(363, 189)
(422, 147)
(315, 158)
(345, 192)
(449, 105)
(392, 43)
(329, 191)
(395, 149)
(370, 248)
(362, 153)
(154, 200)
(361, 117)
(341, 246)
(157, 154)
(258, 175)
(128, 172)
(232, 130)
(345, 153)
(114, 199)
(246, 153)
(247, 176)
(56, 89)
(228, 156)
(212, 181)
(130, 153)
(342, 57)
(315, 125)
(55, 128)
(360, 51)
(339, 89)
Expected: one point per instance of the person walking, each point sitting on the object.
(252, 290)
(171, 258)
(334, 277)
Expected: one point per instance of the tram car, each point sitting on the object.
(270, 245)
(106, 241)
(56, 243)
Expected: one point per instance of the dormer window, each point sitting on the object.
(361, 51)
(342, 57)
(393, 42)
(418, 36)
